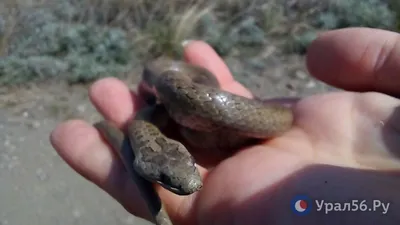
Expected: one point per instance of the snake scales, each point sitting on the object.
(203, 117)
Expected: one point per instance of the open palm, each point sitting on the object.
(334, 135)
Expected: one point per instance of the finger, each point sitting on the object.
(82, 148)
(113, 99)
(357, 59)
(201, 54)
(237, 88)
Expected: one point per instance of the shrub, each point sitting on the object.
(73, 52)
(355, 13)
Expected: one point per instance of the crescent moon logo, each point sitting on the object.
(301, 205)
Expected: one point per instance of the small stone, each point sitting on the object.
(7, 143)
(293, 94)
(311, 84)
(76, 213)
(41, 174)
(130, 220)
(35, 124)
(81, 108)
(380, 123)
(301, 74)
(290, 86)
(11, 166)
(25, 114)
(268, 51)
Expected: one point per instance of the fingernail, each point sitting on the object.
(185, 42)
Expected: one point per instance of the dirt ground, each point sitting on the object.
(36, 186)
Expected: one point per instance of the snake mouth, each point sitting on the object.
(175, 190)
(188, 187)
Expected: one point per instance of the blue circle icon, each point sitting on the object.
(301, 205)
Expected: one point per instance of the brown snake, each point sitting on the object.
(204, 117)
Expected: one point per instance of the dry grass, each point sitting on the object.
(158, 27)
(166, 36)
(8, 9)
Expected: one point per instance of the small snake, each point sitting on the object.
(203, 116)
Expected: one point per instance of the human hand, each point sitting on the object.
(256, 185)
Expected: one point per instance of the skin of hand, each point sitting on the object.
(343, 145)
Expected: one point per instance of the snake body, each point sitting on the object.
(206, 117)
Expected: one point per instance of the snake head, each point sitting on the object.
(168, 163)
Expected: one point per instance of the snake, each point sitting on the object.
(187, 108)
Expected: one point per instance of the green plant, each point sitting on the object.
(353, 13)
(299, 43)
